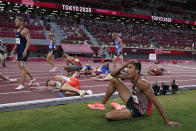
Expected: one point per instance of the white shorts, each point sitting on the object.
(3, 56)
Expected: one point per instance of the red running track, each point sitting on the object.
(185, 74)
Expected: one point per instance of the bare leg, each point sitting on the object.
(114, 62)
(50, 59)
(43, 88)
(125, 94)
(67, 87)
(121, 60)
(70, 93)
(24, 72)
(3, 77)
(116, 84)
(118, 114)
(66, 68)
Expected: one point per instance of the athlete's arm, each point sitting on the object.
(26, 34)
(148, 91)
(116, 72)
(52, 39)
(60, 79)
(14, 49)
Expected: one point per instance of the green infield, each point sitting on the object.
(76, 117)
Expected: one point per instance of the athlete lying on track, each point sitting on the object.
(157, 70)
(70, 86)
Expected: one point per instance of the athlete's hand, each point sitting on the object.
(24, 54)
(173, 124)
(13, 52)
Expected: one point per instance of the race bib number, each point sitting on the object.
(135, 99)
(17, 40)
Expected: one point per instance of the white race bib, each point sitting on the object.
(17, 40)
(135, 99)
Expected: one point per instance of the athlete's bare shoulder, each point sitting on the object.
(24, 31)
(143, 84)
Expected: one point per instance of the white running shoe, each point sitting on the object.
(11, 80)
(82, 93)
(19, 87)
(37, 84)
(32, 81)
(89, 92)
(53, 69)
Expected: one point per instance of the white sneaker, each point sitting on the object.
(32, 81)
(89, 92)
(53, 69)
(11, 80)
(37, 84)
(82, 93)
(19, 87)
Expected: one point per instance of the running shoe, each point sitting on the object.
(31, 82)
(117, 106)
(53, 69)
(89, 92)
(97, 106)
(19, 87)
(11, 80)
(82, 93)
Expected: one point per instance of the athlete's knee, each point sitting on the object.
(24, 72)
(108, 116)
(66, 68)
(114, 80)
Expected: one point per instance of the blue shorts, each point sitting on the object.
(116, 54)
(19, 57)
(52, 51)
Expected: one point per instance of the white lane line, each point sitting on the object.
(147, 77)
(105, 85)
(15, 84)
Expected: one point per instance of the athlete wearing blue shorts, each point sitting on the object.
(119, 48)
(50, 57)
(21, 49)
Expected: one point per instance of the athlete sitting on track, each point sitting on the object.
(6, 79)
(136, 101)
(70, 86)
(75, 64)
(157, 70)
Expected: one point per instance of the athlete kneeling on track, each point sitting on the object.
(75, 65)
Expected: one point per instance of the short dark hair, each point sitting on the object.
(20, 18)
(137, 65)
(47, 82)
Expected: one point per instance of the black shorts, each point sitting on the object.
(51, 51)
(74, 67)
(116, 54)
(134, 111)
(19, 57)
